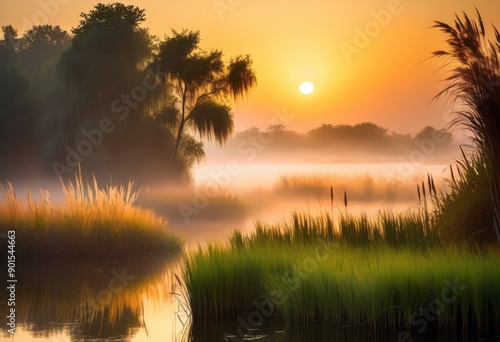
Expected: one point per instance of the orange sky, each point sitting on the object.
(379, 78)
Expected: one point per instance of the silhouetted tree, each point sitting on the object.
(9, 37)
(43, 35)
(111, 14)
(100, 79)
(202, 85)
(19, 110)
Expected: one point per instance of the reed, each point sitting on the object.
(464, 213)
(374, 286)
(94, 222)
(474, 82)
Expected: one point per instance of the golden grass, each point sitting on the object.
(94, 222)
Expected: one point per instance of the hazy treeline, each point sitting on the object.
(113, 99)
(364, 142)
(123, 104)
(82, 98)
(27, 66)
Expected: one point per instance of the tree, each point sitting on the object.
(202, 85)
(100, 79)
(20, 107)
(43, 36)
(42, 44)
(111, 14)
(9, 37)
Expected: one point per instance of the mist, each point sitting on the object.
(84, 102)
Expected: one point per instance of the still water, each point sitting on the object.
(139, 299)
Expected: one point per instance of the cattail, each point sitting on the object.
(418, 192)
(429, 183)
(423, 191)
(345, 198)
(331, 199)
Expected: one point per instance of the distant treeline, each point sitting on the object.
(361, 142)
(118, 102)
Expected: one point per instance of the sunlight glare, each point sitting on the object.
(306, 88)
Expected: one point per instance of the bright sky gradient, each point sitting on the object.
(384, 78)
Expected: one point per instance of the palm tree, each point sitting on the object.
(203, 86)
(474, 84)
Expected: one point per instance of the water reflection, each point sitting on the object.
(89, 300)
(131, 300)
(235, 331)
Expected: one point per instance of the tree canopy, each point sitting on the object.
(202, 84)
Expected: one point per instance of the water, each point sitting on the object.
(253, 175)
(132, 300)
(139, 299)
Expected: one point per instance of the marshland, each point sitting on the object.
(168, 184)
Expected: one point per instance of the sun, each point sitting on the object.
(306, 88)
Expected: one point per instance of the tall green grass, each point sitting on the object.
(411, 228)
(95, 222)
(464, 213)
(374, 286)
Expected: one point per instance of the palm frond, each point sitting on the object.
(168, 117)
(241, 76)
(212, 121)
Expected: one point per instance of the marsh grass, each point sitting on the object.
(411, 228)
(378, 271)
(464, 213)
(474, 83)
(374, 286)
(94, 222)
(360, 188)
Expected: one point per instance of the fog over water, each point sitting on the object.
(232, 195)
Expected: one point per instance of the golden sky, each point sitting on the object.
(365, 58)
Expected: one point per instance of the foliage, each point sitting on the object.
(103, 77)
(363, 141)
(109, 14)
(474, 84)
(45, 35)
(9, 37)
(330, 283)
(94, 223)
(201, 82)
(19, 110)
(464, 213)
